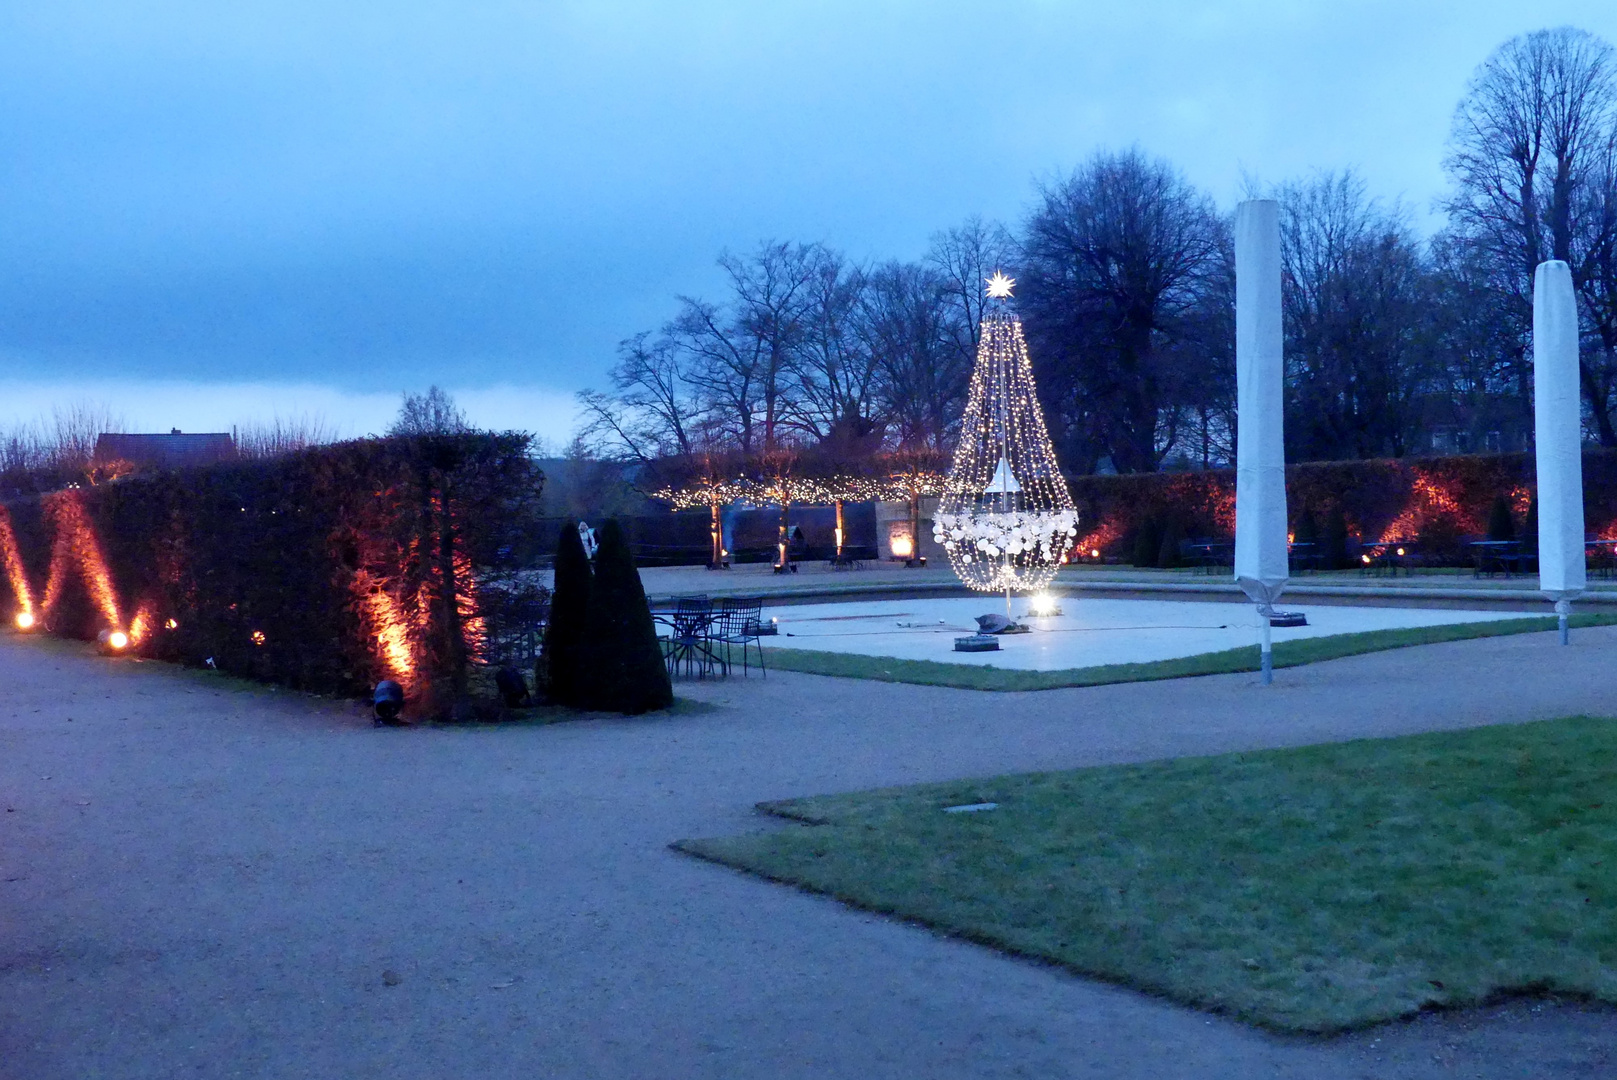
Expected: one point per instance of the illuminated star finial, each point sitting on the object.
(999, 286)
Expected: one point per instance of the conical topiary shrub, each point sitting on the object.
(1501, 525)
(1173, 535)
(622, 661)
(560, 674)
(1335, 540)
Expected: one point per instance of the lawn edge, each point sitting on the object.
(1228, 662)
(690, 848)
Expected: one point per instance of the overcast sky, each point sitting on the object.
(212, 211)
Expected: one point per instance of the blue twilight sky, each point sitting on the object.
(211, 212)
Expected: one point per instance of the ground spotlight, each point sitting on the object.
(1044, 604)
(387, 702)
(512, 686)
(25, 620)
(112, 641)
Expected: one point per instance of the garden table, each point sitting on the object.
(1496, 557)
(690, 620)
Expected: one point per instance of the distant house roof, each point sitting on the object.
(172, 451)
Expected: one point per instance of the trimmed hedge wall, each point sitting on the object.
(326, 570)
(1437, 502)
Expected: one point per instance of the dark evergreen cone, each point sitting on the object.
(566, 680)
(1501, 526)
(1147, 542)
(1173, 535)
(1335, 556)
(621, 654)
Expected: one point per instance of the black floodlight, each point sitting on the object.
(512, 686)
(388, 702)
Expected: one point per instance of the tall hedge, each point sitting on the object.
(320, 569)
(1438, 502)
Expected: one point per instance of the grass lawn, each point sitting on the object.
(1313, 889)
(1286, 654)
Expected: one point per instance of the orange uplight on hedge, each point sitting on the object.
(25, 620)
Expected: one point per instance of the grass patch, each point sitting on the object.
(1315, 889)
(1286, 654)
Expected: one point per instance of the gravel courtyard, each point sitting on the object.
(204, 878)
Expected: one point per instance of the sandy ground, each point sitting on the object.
(201, 879)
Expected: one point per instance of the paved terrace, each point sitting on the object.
(204, 878)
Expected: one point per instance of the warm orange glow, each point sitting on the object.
(171, 624)
(25, 620)
(12, 558)
(473, 630)
(392, 632)
(118, 639)
(1102, 537)
(258, 637)
(1365, 559)
(903, 547)
(140, 625)
(76, 547)
(1426, 501)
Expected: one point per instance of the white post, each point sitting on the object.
(1558, 439)
(1267, 650)
(1261, 564)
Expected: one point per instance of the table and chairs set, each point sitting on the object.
(706, 637)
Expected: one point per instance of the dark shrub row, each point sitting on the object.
(1436, 502)
(326, 569)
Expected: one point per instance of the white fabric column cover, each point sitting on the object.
(1261, 567)
(1557, 430)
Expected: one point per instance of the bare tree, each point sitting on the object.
(1477, 400)
(740, 355)
(1118, 261)
(913, 330)
(1531, 141)
(653, 411)
(282, 435)
(963, 259)
(835, 401)
(72, 432)
(432, 413)
(1355, 293)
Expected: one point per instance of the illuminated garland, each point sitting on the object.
(707, 493)
(802, 490)
(1006, 518)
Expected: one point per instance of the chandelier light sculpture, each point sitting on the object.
(1006, 518)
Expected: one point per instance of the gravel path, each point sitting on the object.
(199, 878)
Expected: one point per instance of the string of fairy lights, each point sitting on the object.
(1006, 517)
(802, 490)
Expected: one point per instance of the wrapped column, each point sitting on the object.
(1261, 566)
(1558, 437)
